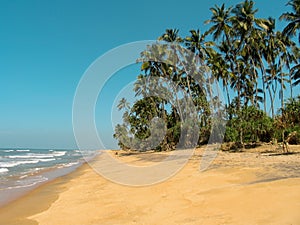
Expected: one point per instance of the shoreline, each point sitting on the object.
(238, 188)
(32, 180)
(37, 199)
(50, 175)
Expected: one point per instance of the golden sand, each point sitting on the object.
(238, 188)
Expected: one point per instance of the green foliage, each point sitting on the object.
(253, 123)
(288, 121)
(292, 18)
(248, 58)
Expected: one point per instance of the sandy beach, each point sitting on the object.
(258, 186)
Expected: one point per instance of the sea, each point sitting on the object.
(22, 170)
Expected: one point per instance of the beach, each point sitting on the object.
(258, 186)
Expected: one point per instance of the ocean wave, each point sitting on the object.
(33, 170)
(68, 165)
(29, 182)
(59, 153)
(31, 155)
(46, 160)
(3, 170)
(24, 176)
(23, 150)
(17, 163)
(8, 150)
(38, 155)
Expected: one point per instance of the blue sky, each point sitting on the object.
(46, 46)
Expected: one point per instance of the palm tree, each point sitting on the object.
(221, 23)
(270, 53)
(285, 58)
(222, 20)
(293, 18)
(170, 35)
(293, 56)
(197, 44)
(221, 29)
(252, 61)
(295, 75)
(123, 104)
(271, 78)
(247, 28)
(220, 70)
(264, 50)
(280, 52)
(247, 57)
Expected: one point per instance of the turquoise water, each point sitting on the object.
(24, 169)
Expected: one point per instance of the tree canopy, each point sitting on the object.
(252, 62)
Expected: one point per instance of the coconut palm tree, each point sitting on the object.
(293, 19)
(171, 35)
(264, 50)
(221, 23)
(197, 44)
(246, 27)
(247, 57)
(220, 70)
(123, 104)
(295, 75)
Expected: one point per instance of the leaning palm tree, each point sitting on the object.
(293, 18)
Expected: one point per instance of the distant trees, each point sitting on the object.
(251, 61)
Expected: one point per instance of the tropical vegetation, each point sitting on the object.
(255, 65)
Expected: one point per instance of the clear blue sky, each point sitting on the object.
(45, 47)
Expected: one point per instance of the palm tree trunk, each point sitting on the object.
(291, 87)
(263, 79)
(227, 93)
(272, 102)
(264, 92)
(281, 91)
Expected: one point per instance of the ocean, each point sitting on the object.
(22, 170)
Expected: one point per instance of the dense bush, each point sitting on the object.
(252, 123)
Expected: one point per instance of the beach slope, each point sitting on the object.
(238, 188)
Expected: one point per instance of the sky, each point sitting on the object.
(46, 47)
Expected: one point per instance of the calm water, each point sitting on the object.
(24, 169)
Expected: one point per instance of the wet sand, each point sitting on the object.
(254, 187)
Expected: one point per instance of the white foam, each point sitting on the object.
(8, 150)
(46, 160)
(29, 182)
(24, 176)
(3, 170)
(68, 165)
(59, 153)
(17, 163)
(38, 155)
(23, 150)
(34, 170)
(30, 155)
